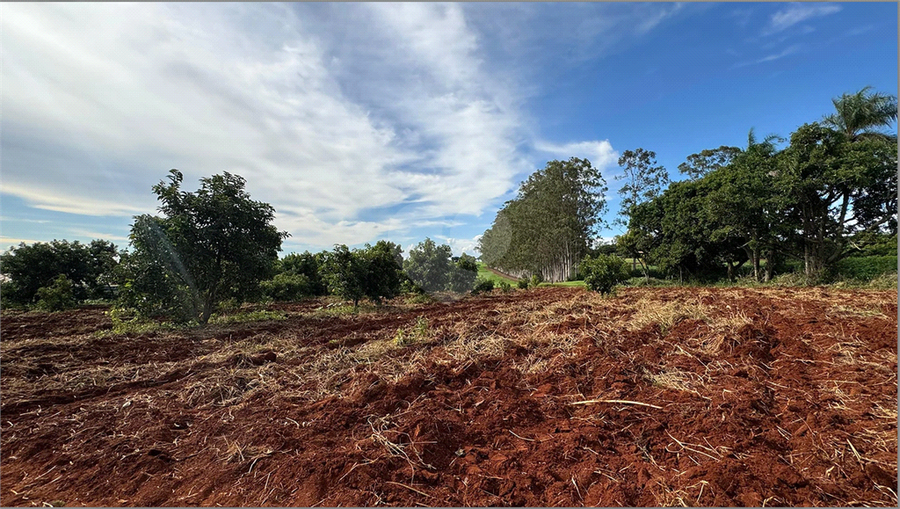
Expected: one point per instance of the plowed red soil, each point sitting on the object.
(545, 397)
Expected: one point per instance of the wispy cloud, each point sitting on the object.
(775, 56)
(600, 153)
(100, 101)
(797, 13)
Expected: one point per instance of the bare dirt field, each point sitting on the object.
(545, 397)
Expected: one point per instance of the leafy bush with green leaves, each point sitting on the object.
(505, 286)
(536, 280)
(864, 268)
(373, 272)
(89, 267)
(287, 287)
(58, 296)
(309, 265)
(522, 284)
(463, 274)
(210, 246)
(603, 272)
(483, 286)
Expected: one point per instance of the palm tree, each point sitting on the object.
(860, 115)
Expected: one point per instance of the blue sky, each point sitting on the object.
(361, 122)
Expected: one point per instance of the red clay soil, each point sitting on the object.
(713, 397)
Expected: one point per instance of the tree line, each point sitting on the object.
(548, 228)
(213, 246)
(824, 196)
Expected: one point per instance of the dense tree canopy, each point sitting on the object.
(211, 245)
(834, 182)
(548, 227)
(88, 267)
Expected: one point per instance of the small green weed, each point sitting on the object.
(418, 333)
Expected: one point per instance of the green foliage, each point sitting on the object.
(548, 227)
(700, 164)
(345, 272)
(522, 284)
(483, 286)
(603, 272)
(418, 333)
(383, 264)
(248, 316)
(287, 287)
(644, 180)
(127, 321)
(372, 272)
(865, 268)
(536, 280)
(210, 246)
(90, 268)
(309, 265)
(428, 265)
(58, 296)
(505, 287)
(463, 274)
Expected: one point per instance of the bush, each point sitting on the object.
(286, 287)
(58, 296)
(462, 274)
(603, 273)
(864, 268)
(522, 284)
(536, 280)
(505, 287)
(483, 286)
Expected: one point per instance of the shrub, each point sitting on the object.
(522, 284)
(483, 286)
(864, 268)
(603, 273)
(505, 287)
(536, 280)
(287, 287)
(418, 333)
(462, 274)
(58, 296)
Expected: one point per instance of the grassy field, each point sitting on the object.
(484, 273)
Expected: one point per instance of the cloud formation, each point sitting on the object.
(797, 13)
(355, 121)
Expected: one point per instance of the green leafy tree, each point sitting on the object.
(644, 180)
(58, 296)
(383, 270)
(428, 265)
(89, 267)
(210, 246)
(702, 163)
(837, 188)
(287, 287)
(863, 115)
(345, 272)
(373, 272)
(463, 273)
(603, 272)
(307, 264)
(551, 223)
(743, 199)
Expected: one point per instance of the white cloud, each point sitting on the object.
(460, 246)
(797, 13)
(600, 152)
(775, 56)
(100, 100)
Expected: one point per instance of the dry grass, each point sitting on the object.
(666, 314)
